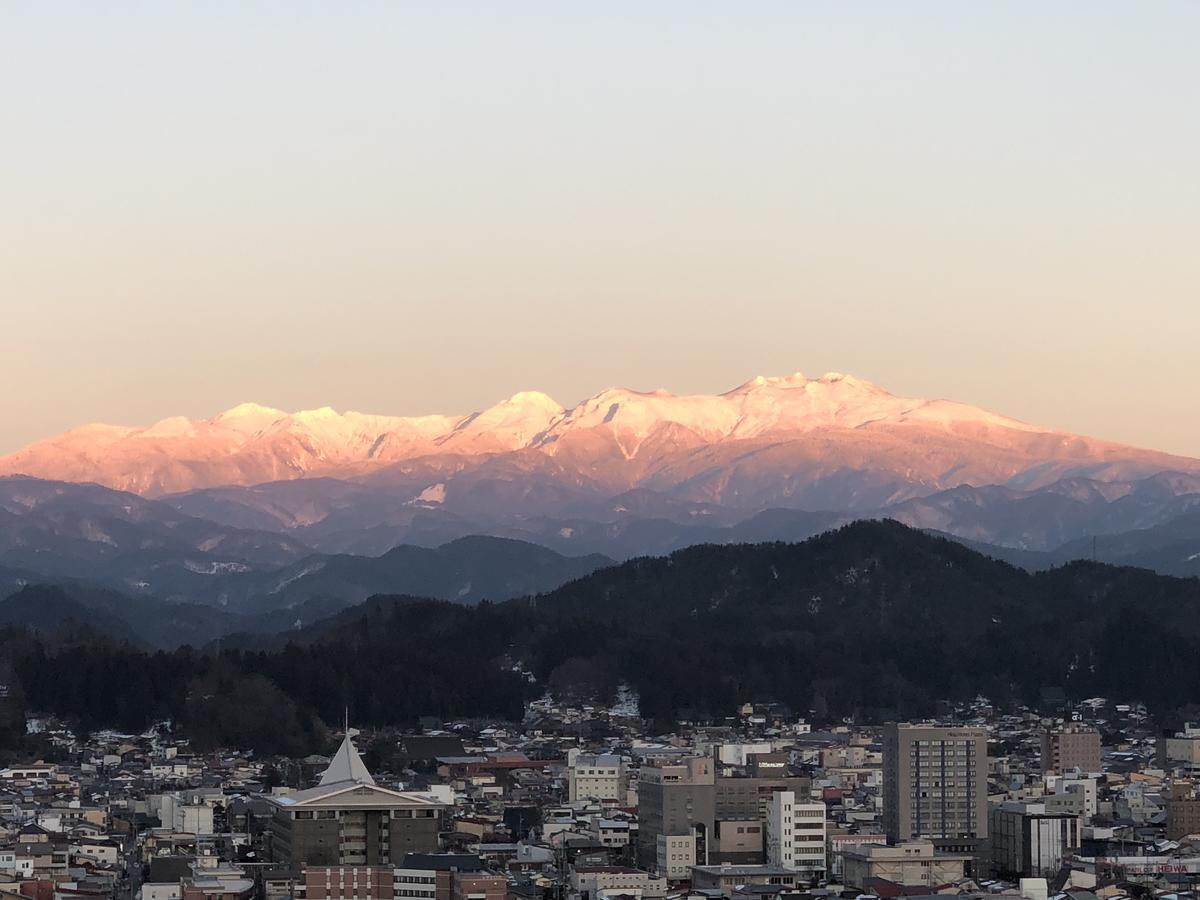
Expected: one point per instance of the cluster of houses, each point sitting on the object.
(1079, 802)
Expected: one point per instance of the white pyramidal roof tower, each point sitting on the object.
(347, 765)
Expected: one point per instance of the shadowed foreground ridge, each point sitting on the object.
(920, 618)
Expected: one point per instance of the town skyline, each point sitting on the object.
(548, 451)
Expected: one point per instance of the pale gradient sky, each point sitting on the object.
(424, 207)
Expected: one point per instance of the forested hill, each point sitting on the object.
(872, 619)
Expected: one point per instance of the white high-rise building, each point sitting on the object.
(1071, 794)
(796, 835)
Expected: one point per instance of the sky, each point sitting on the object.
(408, 208)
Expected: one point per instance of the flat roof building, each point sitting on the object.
(596, 777)
(1028, 841)
(676, 801)
(727, 879)
(935, 783)
(795, 836)
(1070, 748)
(910, 863)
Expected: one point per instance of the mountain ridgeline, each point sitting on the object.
(873, 619)
(276, 519)
(834, 442)
(463, 571)
(208, 579)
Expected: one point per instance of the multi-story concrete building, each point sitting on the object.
(743, 798)
(421, 883)
(1075, 796)
(676, 800)
(610, 832)
(849, 757)
(734, 754)
(910, 863)
(597, 882)
(446, 876)
(935, 784)
(347, 883)
(1030, 842)
(1182, 750)
(728, 879)
(769, 765)
(596, 777)
(1070, 748)
(1183, 811)
(349, 820)
(674, 855)
(737, 841)
(838, 844)
(741, 808)
(795, 835)
(185, 812)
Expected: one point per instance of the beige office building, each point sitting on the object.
(596, 777)
(912, 864)
(935, 784)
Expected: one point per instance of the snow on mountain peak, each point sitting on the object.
(173, 426)
(321, 414)
(247, 411)
(508, 425)
(759, 382)
(796, 379)
(248, 418)
(533, 399)
(251, 443)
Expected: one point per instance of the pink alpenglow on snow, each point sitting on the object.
(770, 440)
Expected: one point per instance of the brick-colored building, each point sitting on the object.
(447, 876)
(343, 882)
(478, 886)
(1183, 811)
(1070, 748)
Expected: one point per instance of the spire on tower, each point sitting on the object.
(347, 765)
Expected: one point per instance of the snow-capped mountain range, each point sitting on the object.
(252, 510)
(834, 442)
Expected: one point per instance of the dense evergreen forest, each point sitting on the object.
(872, 620)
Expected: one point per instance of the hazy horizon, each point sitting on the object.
(410, 209)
